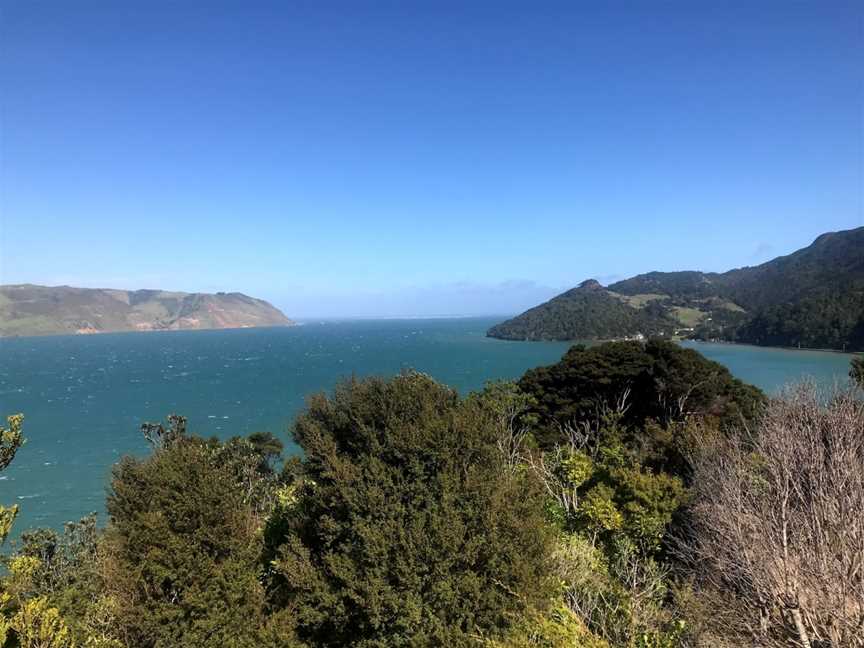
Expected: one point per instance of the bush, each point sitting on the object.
(406, 527)
(10, 440)
(856, 371)
(653, 380)
(778, 522)
(182, 551)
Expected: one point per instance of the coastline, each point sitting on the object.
(144, 331)
(679, 339)
(773, 346)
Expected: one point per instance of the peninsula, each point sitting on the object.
(27, 309)
(812, 298)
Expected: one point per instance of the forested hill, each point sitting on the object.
(41, 310)
(811, 298)
(586, 312)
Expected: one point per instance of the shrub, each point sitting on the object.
(856, 371)
(778, 522)
(653, 380)
(182, 550)
(406, 527)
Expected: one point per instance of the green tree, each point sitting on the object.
(252, 463)
(856, 372)
(182, 548)
(38, 625)
(26, 619)
(10, 440)
(614, 515)
(653, 380)
(405, 527)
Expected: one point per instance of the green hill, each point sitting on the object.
(586, 312)
(41, 310)
(811, 298)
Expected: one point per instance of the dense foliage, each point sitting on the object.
(826, 321)
(608, 501)
(181, 551)
(405, 528)
(856, 371)
(832, 260)
(10, 440)
(656, 380)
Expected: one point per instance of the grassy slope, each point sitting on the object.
(42, 310)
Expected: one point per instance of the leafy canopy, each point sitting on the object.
(405, 527)
(656, 380)
(182, 547)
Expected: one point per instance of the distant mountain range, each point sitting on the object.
(811, 298)
(42, 310)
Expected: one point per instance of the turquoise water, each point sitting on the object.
(771, 369)
(84, 397)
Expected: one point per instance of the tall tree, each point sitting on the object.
(182, 548)
(406, 527)
(649, 380)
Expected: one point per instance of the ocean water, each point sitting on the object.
(85, 397)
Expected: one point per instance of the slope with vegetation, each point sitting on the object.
(631, 496)
(811, 298)
(42, 310)
(585, 312)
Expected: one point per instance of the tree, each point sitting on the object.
(778, 522)
(10, 440)
(405, 526)
(38, 625)
(613, 513)
(252, 463)
(63, 570)
(856, 372)
(26, 622)
(182, 548)
(659, 380)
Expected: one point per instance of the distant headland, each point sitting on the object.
(27, 309)
(812, 298)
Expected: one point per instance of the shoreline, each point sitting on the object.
(674, 339)
(771, 346)
(34, 336)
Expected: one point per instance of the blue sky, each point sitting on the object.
(412, 158)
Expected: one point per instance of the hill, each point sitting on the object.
(811, 298)
(586, 312)
(42, 310)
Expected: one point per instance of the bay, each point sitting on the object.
(85, 397)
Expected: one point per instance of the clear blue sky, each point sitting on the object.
(413, 158)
